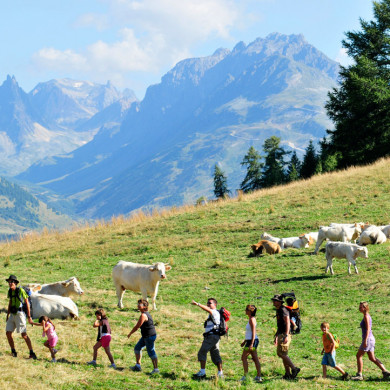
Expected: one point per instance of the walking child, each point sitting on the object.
(250, 344)
(329, 352)
(103, 338)
(49, 331)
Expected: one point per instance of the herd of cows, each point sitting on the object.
(339, 244)
(55, 300)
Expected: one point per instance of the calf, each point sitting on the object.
(270, 247)
(342, 250)
(139, 278)
(337, 233)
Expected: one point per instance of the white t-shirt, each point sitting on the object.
(209, 324)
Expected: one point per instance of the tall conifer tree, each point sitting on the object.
(220, 183)
(252, 180)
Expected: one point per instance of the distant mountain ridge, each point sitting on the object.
(51, 119)
(204, 111)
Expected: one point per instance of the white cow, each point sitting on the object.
(386, 230)
(312, 237)
(139, 278)
(294, 242)
(266, 236)
(343, 250)
(372, 235)
(337, 233)
(53, 306)
(66, 288)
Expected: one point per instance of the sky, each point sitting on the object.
(133, 43)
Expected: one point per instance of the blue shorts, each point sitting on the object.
(248, 343)
(329, 359)
(147, 342)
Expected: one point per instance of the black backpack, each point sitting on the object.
(221, 329)
(293, 307)
(22, 301)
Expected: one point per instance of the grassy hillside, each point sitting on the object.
(208, 249)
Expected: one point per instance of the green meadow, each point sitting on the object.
(208, 248)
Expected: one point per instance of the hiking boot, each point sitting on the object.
(357, 377)
(113, 365)
(243, 379)
(295, 372)
(155, 371)
(199, 375)
(386, 374)
(92, 363)
(14, 354)
(258, 379)
(137, 367)
(286, 377)
(32, 356)
(345, 376)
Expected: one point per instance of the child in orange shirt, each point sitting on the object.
(329, 352)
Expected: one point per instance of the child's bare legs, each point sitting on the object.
(256, 360)
(371, 356)
(324, 368)
(339, 369)
(108, 352)
(95, 350)
(51, 349)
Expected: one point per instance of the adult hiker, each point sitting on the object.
(16, 315)
(283, 337)
(211, 339)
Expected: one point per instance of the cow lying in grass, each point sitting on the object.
(342, 250)
(372, 235)
(294, 242)
(270, 247)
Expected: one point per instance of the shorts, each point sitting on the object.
(147, 342)
(370, 345)
(329, 359)
(210, 344)
(17, 321)
(282, 349)
(105, 340)
(53, 341)
(248, 343)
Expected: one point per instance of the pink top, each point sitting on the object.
(51, 333)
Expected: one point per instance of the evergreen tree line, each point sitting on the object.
(271, 169)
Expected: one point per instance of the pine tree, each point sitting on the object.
(220, 183)
(273, 170)
(252, 180)
(309, 163)
(294, 167)
(360, 107)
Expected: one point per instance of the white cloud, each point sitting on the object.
(343, 58)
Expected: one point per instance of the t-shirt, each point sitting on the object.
(13, 294)
(209, 325)
(280, 314)
(103, 329)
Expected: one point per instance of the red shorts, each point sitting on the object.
(105, 340)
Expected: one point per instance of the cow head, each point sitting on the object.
(160, 268)
(265, 236)
(305, 239)
(362, 252)
(73, 285)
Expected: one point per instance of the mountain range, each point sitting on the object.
(161, 151)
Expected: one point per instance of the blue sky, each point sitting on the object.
(134, 43)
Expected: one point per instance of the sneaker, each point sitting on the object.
(286, 377)
(53, 360)
(92, 363)
(295, 372)
(357, 377)
(258, 379)
(32, 356)
(199, 375)
(113, 365)
(220, 376)
(243, 379)
(136, 368)
(155, 371)
(14, 354)
(345, 376)
(386, 374)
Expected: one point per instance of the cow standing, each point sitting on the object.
(138, 278)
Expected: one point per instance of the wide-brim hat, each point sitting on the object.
(278, 298)
(12, 278)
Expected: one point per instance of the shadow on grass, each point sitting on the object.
(300, 278)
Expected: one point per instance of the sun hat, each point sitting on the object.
(278, 298)
(12, 278)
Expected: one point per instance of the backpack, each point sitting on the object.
(223, 328)
(294, 311)
(22, 301)
(336, 340)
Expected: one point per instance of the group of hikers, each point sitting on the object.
(19, 313)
